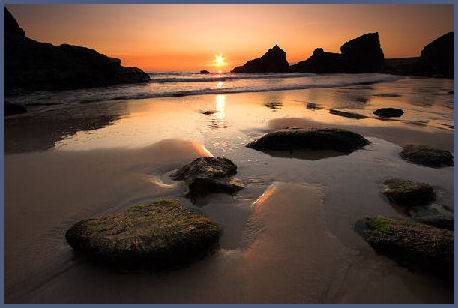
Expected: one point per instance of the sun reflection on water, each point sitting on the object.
(220, 106)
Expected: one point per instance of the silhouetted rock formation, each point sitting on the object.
(360, 55)
(321, 62)
(273, 61)
(363, 54)
(204, 72)
(436, 60)
(31, 65)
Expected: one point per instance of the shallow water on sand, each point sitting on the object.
(288, 237)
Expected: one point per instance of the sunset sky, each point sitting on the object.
(187, 37)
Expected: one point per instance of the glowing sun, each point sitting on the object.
(219, 61)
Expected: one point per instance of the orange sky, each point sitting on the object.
(187, 37)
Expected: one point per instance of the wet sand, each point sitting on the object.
(288, 237)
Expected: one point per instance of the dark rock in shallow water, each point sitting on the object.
(204, 72)
(312, 105)
(31, 65)
(414, 245)
(389, 112)
(427, 156)
(153, 236)
(363, 54)
(347, 114)
(208, 112)
(409, 193)
(13, 108)
(273, 61)
(316, 140)
(206, 175)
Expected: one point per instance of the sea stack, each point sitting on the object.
(360, 55)
(273, 61)
(31, 65)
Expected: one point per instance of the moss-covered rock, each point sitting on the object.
(206, 175)
(160, 235)
(427, 156)
(409, 193)
(389, 112)
(317, 140)
(411, 244)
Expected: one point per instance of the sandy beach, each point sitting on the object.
(288, 236)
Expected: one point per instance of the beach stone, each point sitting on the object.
(312, 105)
(208, 112)
(273, 61)
(204, 72)
(154, 236)
(389, 112)
(13, 108)
(427, 156)
(347, 114)
(411, 244)
(318, 140)
(206, 175)
(408, 193)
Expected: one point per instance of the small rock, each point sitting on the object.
(411, 244)
(204, 72)
(347, 114)
(206, 175)
(208, 112)
(312, 105)
(409, 193)
(13, 108)
(152, 236)
(389, 112)
(317, 140)
(427, 156)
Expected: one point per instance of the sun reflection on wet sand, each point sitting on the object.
(220, 106)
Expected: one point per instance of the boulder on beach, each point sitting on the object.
(363, 54)
(312, 105)
(426, 156)
(204, 72)
(206, 175)
(273, 61)
(408, 193)
(347, 114)
(13, 108)
(389, 112)
(411, 244)
(159, 235)
(31, 65)
(316, 140)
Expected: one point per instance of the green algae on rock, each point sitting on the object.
(159, 235)
(408, 193)
(317, 140)
(427, 156)
(414, 245)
